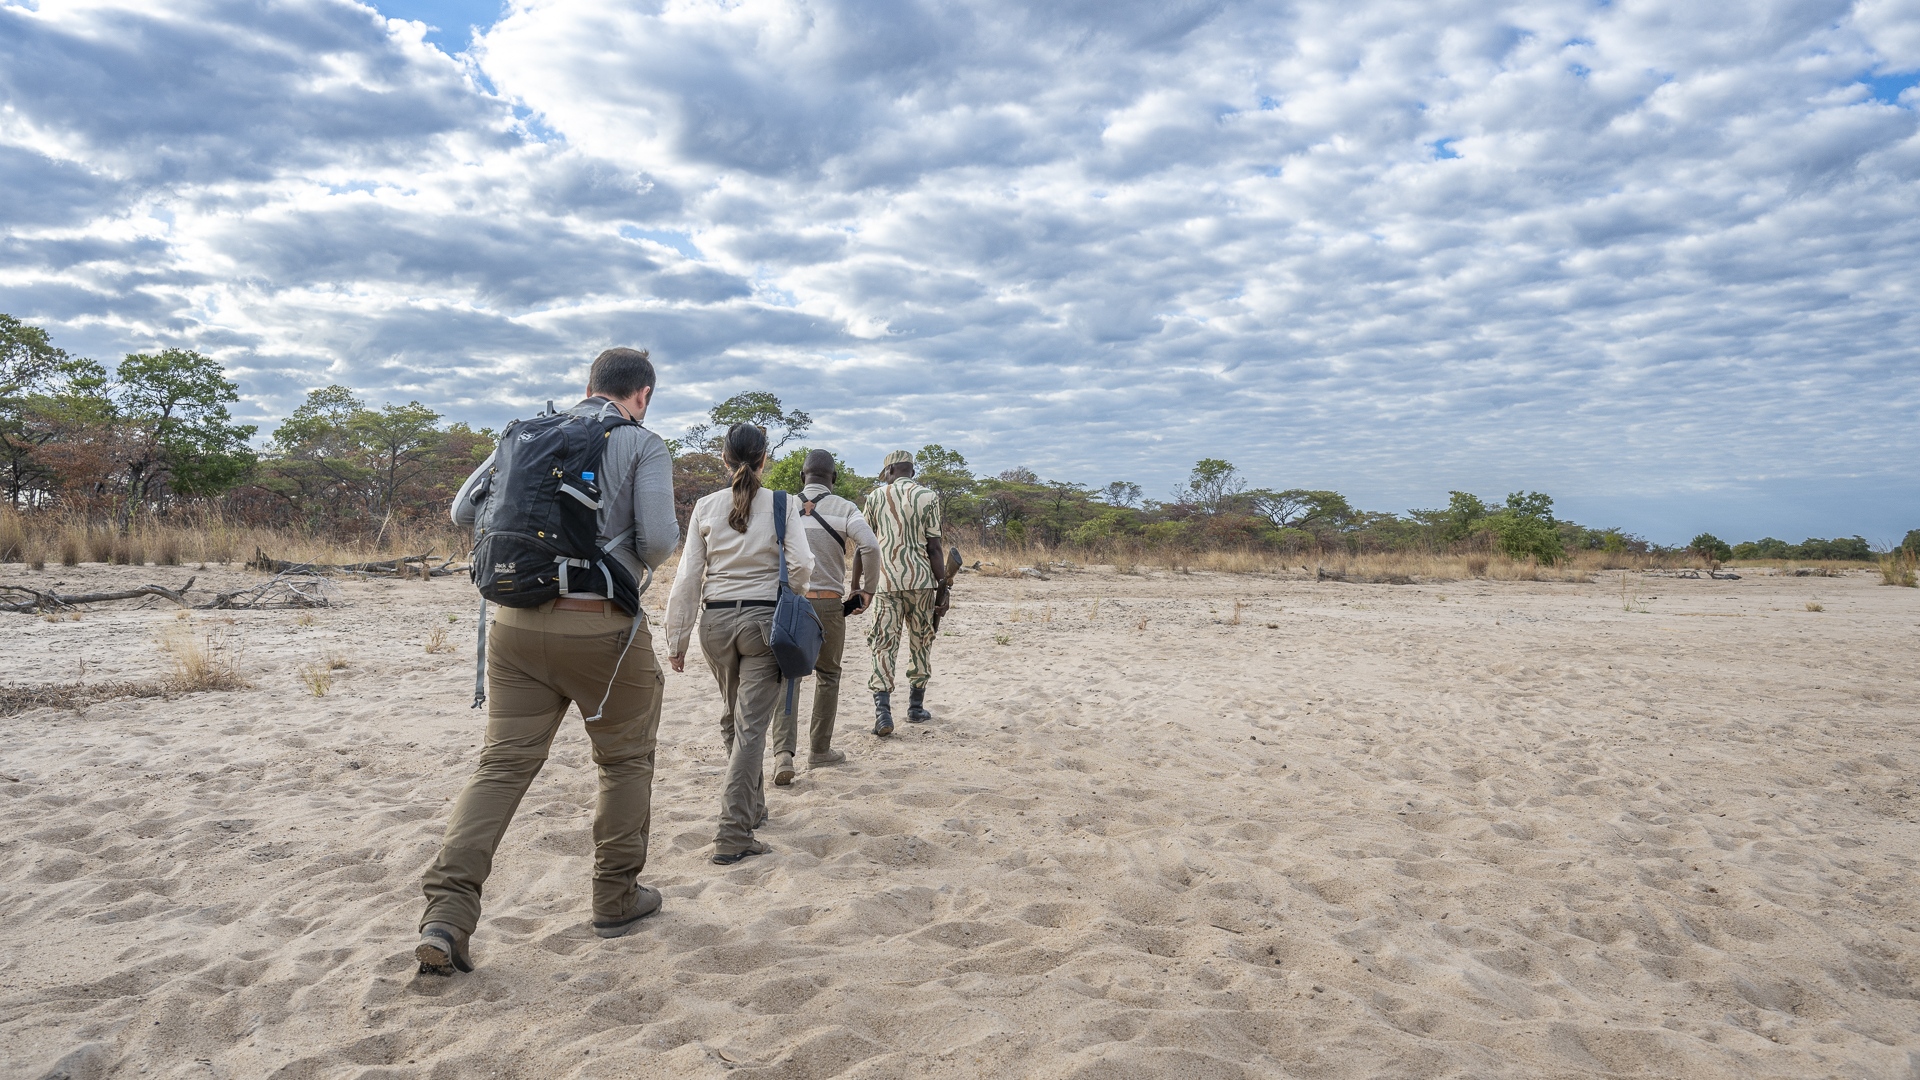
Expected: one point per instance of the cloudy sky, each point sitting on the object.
(1657, 259)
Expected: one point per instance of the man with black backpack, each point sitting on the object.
(570, 514)
(830, 523)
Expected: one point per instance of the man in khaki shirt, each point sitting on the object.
(831, 524)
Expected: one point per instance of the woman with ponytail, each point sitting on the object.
(730, 575)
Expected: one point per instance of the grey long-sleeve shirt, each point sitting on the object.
(636, 484)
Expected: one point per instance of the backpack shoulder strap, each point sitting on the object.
(780, 532)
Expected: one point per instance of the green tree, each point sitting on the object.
(1525, 528)
(1711, 548)
(399, 442)
(1911, 545)
(28, 363)
(1463, 516)
(173, 407)
(945, 471)
(752, 407)
(74, 452)
(315, 462)
(1121, 493)
(1299, 508)
(784, 474)
(1210, 485)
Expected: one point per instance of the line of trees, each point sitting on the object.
(1215, 508)
(154, 436)
(1812, 549)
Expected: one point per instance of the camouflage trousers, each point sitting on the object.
(913, 609)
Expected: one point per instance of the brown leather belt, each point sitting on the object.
(598, 607)
(822, 594)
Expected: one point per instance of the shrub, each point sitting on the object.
(1711, 548)
(1523, 535)
(1899, 567)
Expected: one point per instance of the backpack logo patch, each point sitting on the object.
(503, 568)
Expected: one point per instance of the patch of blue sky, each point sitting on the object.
(767, 292)
(536, 128)
(451, 22)
(679, 241)
(1888, 87)
(1443, 148)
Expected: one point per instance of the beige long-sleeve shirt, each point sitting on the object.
(718, 563)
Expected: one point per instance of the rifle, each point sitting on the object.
(953, 571)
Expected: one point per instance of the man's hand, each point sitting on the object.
(942, 600)
(862, 600)
(679, 662)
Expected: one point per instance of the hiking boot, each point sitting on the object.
(644, 904)
(917, 706)
(782, 768)
(882, 713)
(442, 949)
(825, 757)
(753, 848)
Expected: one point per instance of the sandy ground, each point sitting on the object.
(1460, 829)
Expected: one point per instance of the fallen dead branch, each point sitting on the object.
(287, 589)
(1321, 573)
(17, 698)
(403, 566)
(52, 601)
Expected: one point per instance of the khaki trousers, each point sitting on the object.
(735, 641)
(912, 609)
(826, 685)
(538, 662)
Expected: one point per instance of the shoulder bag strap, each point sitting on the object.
(780, 533)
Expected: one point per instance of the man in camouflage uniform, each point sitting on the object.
(912, 590)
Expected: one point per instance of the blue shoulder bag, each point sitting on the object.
(797, 632)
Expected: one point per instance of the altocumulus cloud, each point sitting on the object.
(1659, 259)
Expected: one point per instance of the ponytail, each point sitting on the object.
(746, 452)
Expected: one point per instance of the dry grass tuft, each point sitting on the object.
(202, 661)
(437, 640)
(1900, 568)
(199, 663)
(13, 536)
(1815, 606)
(316, 678)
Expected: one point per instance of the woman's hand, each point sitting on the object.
(679, 662)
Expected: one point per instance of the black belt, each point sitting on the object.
(711, 604)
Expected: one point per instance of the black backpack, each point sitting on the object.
(536, 535)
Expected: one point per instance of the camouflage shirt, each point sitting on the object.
(904, 517)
